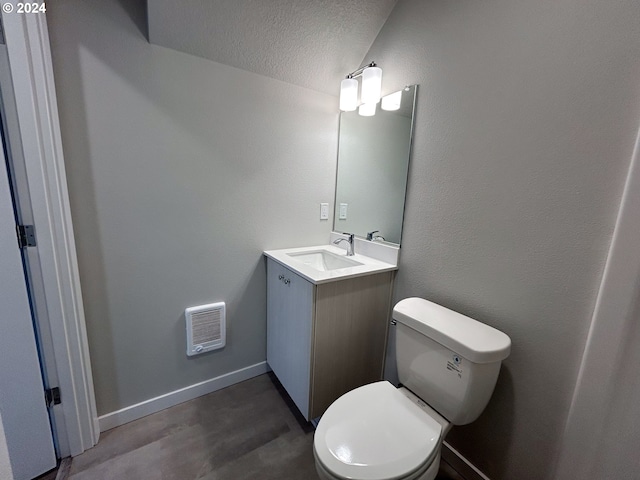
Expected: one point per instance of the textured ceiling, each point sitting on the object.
(312, 43)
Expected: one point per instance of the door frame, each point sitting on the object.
(29, 53)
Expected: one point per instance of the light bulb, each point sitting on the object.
(371, 85)
(348, 95)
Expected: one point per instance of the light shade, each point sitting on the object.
(371, 85)
(392, 101)
(348, 95)
(367, 109)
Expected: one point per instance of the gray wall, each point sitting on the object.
(526, 119)
(621, 433)
(607, 395)
(181, 171)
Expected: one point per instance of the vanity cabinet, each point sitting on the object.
(327, 339)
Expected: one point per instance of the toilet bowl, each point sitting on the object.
(448, 365)
(378, 432)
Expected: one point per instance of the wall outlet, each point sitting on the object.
(343, 211)
(324, 211)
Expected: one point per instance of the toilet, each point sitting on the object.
(448, 365)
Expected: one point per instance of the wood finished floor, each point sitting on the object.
(247, 431)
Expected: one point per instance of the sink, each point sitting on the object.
(323, 260)
(327, 263)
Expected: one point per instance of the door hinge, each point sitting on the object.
(26, 236)
(52, 396)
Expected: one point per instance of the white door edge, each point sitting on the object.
(29, 54)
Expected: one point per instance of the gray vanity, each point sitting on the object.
(326, 333)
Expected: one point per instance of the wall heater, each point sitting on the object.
(206, 328)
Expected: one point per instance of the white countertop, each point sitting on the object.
(369, 265)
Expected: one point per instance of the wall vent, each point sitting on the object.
(206, 328)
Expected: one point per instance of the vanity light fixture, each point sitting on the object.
(392, 101)
(348, 94)
(371, 86)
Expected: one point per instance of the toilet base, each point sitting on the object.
(428, 474)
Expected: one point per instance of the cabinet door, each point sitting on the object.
(351, 325)
(289, 327)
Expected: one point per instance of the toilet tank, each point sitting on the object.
(449, 360)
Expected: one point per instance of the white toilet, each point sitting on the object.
(448, 365)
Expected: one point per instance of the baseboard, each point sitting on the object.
(460, 464)
(153, 405)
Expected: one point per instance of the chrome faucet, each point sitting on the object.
(349, 240)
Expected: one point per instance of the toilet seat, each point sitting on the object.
(376, 432)
(427, 471)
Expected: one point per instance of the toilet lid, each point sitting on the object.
(375, 432)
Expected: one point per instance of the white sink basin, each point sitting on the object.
(323, 260)
(327, 263)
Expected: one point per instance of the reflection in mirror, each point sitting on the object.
(373, 161)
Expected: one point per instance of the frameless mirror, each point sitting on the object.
(373, 162)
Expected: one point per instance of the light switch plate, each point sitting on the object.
(343, 211)
(324, 211)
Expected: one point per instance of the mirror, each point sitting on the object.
(373, 162)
